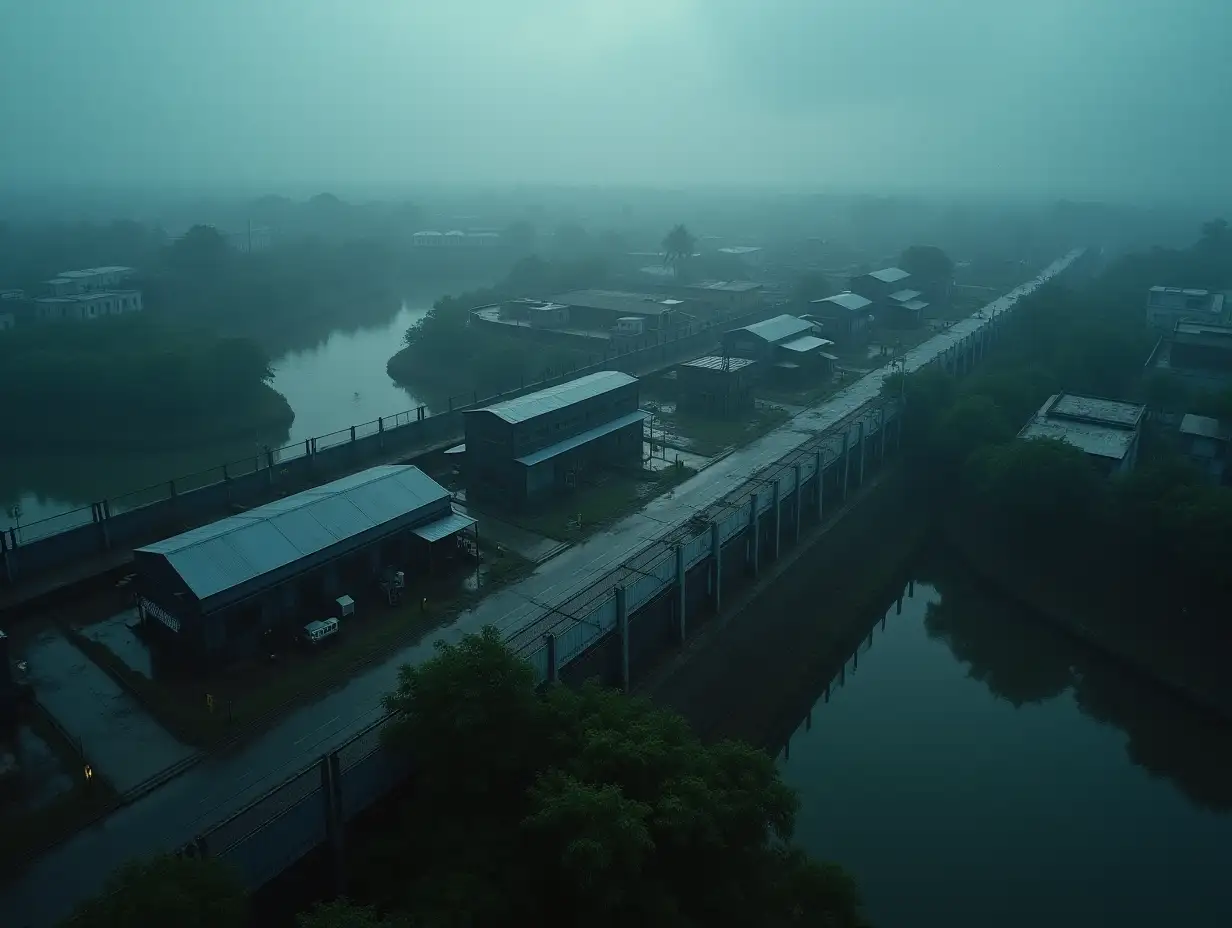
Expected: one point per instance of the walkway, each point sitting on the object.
(222, 785)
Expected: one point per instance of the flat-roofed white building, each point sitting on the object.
(1166, 306)
(1108, 431)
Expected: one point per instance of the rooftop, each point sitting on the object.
(904, 296)
(1099, 427)
(852, 302)
(618, 301)
(1186, 292)
(1204, 427)
(226, 554)
(524, 408)
(1210, 331)
(727, 286)
(715, 363)
(806, 343)
(740, 249)
(889, 275)
(778, 328)
(93, 272)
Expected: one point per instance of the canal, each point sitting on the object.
(338, 382)
(974, 768)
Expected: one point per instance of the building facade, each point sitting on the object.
(521, 450)
(1196, 353)
(1207, 443)
(788, 348)
(1167, 306)
(602, 310)
(227, 589)
(716, 387)
(843, 317)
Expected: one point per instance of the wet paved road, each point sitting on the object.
(222, 785)
(120, 739)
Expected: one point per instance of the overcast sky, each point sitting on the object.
(1119, 98)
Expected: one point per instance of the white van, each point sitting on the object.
(316, 632)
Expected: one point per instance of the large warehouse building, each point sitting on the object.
(216, 592)
(526, 447)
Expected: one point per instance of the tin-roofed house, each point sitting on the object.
(787, 348)
(219, 591)
(843, 317)
(1108, 431)
(522, 449)
(715, 386)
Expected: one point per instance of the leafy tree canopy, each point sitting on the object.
(167, 890)
(585, 807)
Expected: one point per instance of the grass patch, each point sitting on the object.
(714, 436)
(590, 508)
(26, 835)
(251, 695)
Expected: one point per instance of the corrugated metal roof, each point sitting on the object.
(807, 343)
(1093, 409)
(1203, 427)
(904, 296)
(443, 528)
(715, 363)
(916, 306)
(890, 275)
(618, 301)
(551, 451)
(846, 300)
(778, 328)
(565, 394)
(225, 554)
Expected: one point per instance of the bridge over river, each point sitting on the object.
(608, 607)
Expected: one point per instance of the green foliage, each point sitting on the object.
(927, 263)
(168, 890)
(444, 348)
(584, 807)
(343, 914)
(131, 381)
(679, 246)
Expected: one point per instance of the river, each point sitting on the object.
(332, 385)
(976, 769)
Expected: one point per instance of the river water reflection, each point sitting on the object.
(338, 382)
(977, 769)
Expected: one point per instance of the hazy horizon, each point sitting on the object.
(1053, 99)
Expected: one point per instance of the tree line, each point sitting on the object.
(540, 807)
(1164, 524)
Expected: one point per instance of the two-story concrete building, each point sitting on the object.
(520, 450)
(1108, 431)
(1166, 306)
(1198, 354)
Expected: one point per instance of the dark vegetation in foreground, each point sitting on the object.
(1141, 557)
(557, 807)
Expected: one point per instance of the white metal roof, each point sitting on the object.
(618, 301)
(778, 328)
(444, 527)
(225, 554)
(716, 363)
(846, 300)
(905, 296)
(522, 408)
(1203, 427)
(807, 343)
(890, 275)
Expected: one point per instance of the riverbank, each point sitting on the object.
(748, 673)
(1101, 600)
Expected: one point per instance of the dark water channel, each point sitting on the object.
(975, 768)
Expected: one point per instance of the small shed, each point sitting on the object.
(714, 386)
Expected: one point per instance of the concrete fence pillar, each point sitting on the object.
(846, 462)
(820, 465)
(795, 505)
(551, 667)
(862, 440)
(331, 794)
(681, 596)
(716, 567)
(881, 434)
(778, 516)
(754, 533)
(622, 628)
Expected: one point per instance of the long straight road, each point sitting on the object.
(223, 784)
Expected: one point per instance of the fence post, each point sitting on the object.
(862, 440)
(4, 556)
(716, 566)
(821, 483)
(795, 505)
(846, 461)
(778, 515)
(754, 533)
(380, 431)
(352, 433)
(622, 628)
(331, 786)
(682, 598)
(553, 671)
(104, 528)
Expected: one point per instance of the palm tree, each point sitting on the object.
(678, 247)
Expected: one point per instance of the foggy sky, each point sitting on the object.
(1117, 98)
